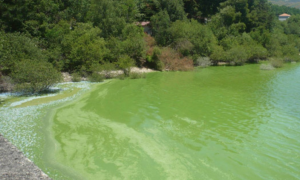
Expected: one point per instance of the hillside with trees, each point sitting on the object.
(88, 36)
(289, 3)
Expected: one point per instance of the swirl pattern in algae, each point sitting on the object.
(215, 123)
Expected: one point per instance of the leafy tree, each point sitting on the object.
(15, 47)
(75, 9)
(175, 8)
(292, 25)
(133, 43)
(28, 16)
(112, 16)
(218, 54)
(83, 47)
(236, 55)
(192, 36)
(125, 63)
(278, 9)
(160, 23)
(33, 76)
(198, 9)
(153, 61)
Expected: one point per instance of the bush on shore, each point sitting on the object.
(153, 60)
(6, 84)
(136, 75)
(96, 77)
(32, 76)
(106, 69)
(125, 63)
(173, 62)
(266, 67)
(276, 62)
(203, 62)
(76, 77)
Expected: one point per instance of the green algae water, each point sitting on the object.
(213, 123)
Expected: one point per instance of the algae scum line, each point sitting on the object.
(214, 123)
(23, 121)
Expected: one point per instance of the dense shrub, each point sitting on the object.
(237, 56)
(33, 76)
(121, 76)
(96, 77)
(173, 62)
(6, 84)
(183, 46)
(256, 52)
(83, 47)
(14, 47)
(150, 43)
(294, 58)
(153, 60)
(136, 75)
(240, 49)
(76, 77)
(266, 67)
(125, 63)
(133, 43)
(276, 62)
(203, 62)
(192, 38)
(218, 55)
(106, 69)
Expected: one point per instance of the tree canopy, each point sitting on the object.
(79, 35)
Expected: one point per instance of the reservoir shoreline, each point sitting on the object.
(135, 116)
(14, 165)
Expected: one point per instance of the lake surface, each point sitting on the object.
(213, 123)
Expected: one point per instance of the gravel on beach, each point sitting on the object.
(15, 166)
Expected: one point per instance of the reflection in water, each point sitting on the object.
(215, 123)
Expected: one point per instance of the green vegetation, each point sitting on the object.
(76, 77)
(96, 77)
(92, 38)
(124, 63)
(34, 76)
(276, 62)
(203, 62)
(135, 75)
(266, 67)
(288, 3)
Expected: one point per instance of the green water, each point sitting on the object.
(215, 123)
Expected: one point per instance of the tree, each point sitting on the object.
(15, 47)
(112, 16)
(133, 43)
(125, 63)
(160, 23)
(33, 76)
(83, 47)
(193, 37)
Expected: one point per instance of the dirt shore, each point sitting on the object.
(68, 78)
(14, 165)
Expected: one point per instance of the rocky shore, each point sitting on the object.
(14, 165)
